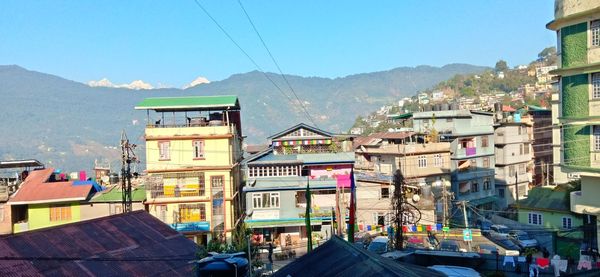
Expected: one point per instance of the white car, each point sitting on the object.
(522, 239)
(455, 271)
(501, 230)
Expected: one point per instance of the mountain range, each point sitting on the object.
(68, 124)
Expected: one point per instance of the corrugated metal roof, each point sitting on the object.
(313, 158)
(189, 102)
(132, 244)
(338, 257)
(546, 199)
(36, 189)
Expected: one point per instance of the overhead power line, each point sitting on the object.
(253, 61)
(276, 64)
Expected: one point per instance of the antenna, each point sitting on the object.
(127, 157)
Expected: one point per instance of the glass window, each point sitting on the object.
(385, 193)
(164, 152)
(597, 138)
(438, 161)
(486, 162)
(486, 184)
(567, 222)
(474, 187)
(60, 212)
(198, 149)
(595, 32)
(484, 141)
(422, 161)
(265, 200)
(216, 181)
(596, 86)
(501, 193)
(535, 219)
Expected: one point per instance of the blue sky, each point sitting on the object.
(173, 42)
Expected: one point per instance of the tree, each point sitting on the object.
(501, 65)
(548, 55)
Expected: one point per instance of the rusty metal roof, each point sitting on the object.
(132, 244)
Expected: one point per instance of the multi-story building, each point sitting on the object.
(424, 165)
(539, 121)
(472, 162)
(577, 24)
(514, 161)
(45, 200)
(277, 179)
(12, 174)
(193, 155)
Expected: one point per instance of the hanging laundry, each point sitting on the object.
(509, 259)
(542, 262)
(521, 259)
(585, 264)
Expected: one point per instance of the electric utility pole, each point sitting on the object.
(127, 157)
(464, 206)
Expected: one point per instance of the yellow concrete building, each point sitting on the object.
(193, 151)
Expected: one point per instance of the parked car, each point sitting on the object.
(449, 245)
(455, 271)
(362, 239)
(522, 239)
(380, 245)
(418, 242)
(484, 225)
(486, 248)
(505, 243)
(500, 229)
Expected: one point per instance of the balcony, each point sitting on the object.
(404, 149)
(463, 153)
(472, 174)
(581, 205)
(186, 130)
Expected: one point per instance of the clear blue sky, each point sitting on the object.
(173, 42)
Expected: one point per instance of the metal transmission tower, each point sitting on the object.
(404, 212)
(127, 157)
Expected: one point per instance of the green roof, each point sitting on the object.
(114, 195)
(400, 116)
(536, 108)
(189, 103)
(544, 198)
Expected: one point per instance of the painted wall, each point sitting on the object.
(5, 219)
(39, 216)
(550, 219)
(96, 210)
(574, 45)
(217, 152)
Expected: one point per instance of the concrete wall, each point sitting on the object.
(96, 210)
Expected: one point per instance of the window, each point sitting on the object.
(535, 219)
(385, 192)
(192, 213)
(501, 193)
(265, 200)
(522, 169)
(474, 187)
(486, 184)
(486, 162)
(216, 181)
(521, 149)
(60, 213)
(380, 218)
(519, 130)
(164, 152)
(526, 149)
(484, 141)
(597, 138)
(422, 161)
(567, 222)
(595, 32)
(596, 86)
(438, 161)
(511, 170)
(201, 184)
(198, 149)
